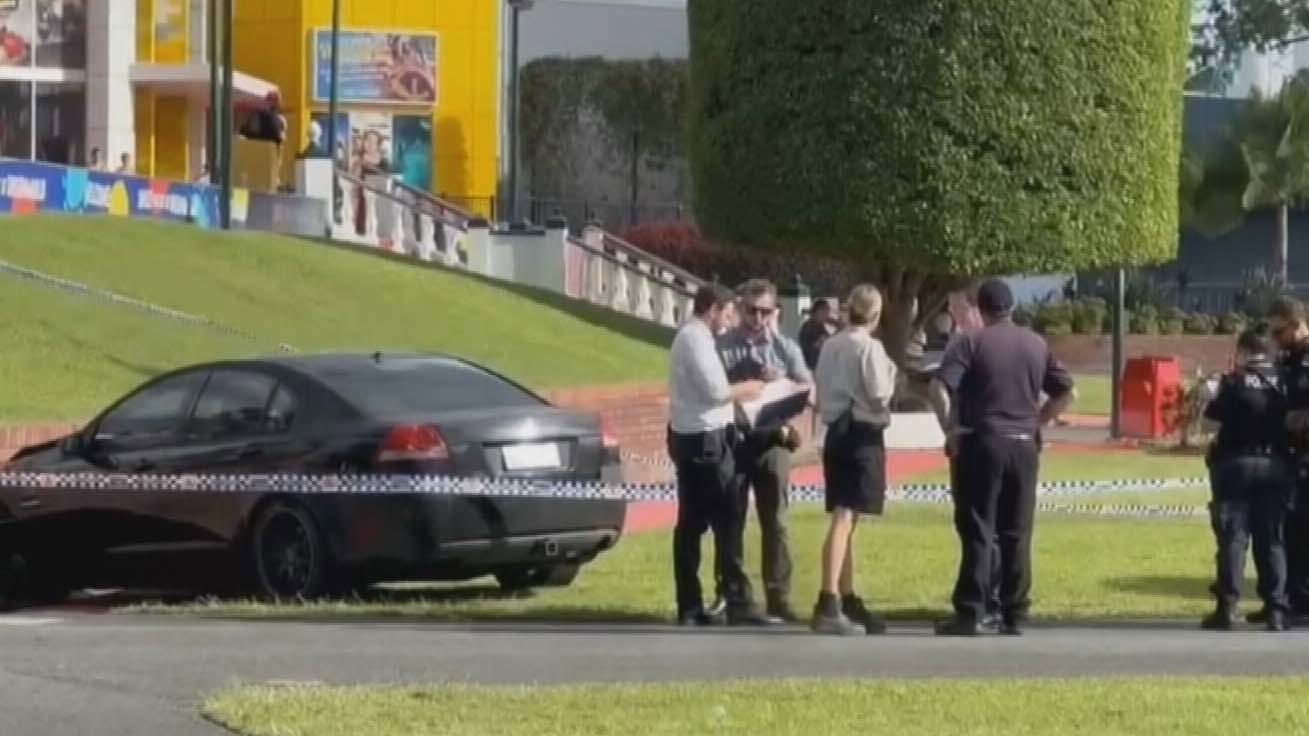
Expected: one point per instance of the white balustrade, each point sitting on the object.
(667, 299)
(619, 301)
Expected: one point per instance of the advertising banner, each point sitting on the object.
(17, 26)
(61, 33)
(413, 150)
(397, 68)
(27, 187)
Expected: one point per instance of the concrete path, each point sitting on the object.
(108, 675)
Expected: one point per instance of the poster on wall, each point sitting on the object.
(61, 33)
(17, 22)
(412, 135)
(378, 67)
(318, 149)
(370, 143)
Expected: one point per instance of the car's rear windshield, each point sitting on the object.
(408, 386)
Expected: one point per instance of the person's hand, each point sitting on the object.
(790, 438)
(951, 445)
(748, 390)
(771, 374)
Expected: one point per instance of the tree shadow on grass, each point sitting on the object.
(1172, 586)
(626, 325)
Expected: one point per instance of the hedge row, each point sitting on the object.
(1090, 316)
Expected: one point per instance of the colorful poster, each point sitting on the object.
(413, 150)
(318, 148)
(370, 143)
(171, 31)
(17, 22)
(378, 67)
(61, 33)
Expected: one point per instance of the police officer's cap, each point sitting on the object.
(995, 298)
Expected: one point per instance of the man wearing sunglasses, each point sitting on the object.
(755, 350)
(1290, 328)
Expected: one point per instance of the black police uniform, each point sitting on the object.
(1252, 482)
(1294, 373)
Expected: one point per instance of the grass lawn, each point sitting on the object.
(312, 296)
(1147, 706)
(1086, 568)
(1093, 395)
(1110, 464)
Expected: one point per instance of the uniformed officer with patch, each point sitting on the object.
(1290, 329)
(1250, 469)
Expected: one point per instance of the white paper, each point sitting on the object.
(773, 392)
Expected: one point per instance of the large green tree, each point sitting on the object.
(1225, 28)
(936, 141)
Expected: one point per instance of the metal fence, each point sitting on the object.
(613, 216)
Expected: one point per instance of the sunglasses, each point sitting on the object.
(760, 311)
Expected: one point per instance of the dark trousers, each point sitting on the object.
(995, 505)
(705, 500)
(768, 473)
(1251, 496)
(1296, 533)
(993, 597)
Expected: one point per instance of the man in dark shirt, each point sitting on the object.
(996, 375)
(1251, 482)
(815, 331)
(1290, 328)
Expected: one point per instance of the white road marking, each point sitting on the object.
(28, 621)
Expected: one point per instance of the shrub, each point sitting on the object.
(1199, 324)
(1172, 322)
(1054, 318)
(1144, 321)
(1232, 323)
(1259, 289)
(1089, 314)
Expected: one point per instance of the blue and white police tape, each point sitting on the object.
(507, 487)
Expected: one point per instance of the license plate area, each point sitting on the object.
(538, 456)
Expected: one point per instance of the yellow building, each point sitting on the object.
(419, 89)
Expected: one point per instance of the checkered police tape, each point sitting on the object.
(511, 487)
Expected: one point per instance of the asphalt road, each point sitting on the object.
(110, 675)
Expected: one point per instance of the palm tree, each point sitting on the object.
(1263, 164)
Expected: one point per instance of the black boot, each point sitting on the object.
(1222, 619)
(854, 609)
(1276, 620)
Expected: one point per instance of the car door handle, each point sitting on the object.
(30, 502)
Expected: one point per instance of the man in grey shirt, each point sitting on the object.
(701, 445)
(755, 350)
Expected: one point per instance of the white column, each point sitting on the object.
(644, 293)
(553, 256)
(478, 243)
(111, 51)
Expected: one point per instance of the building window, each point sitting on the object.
(61, 123)
(61, 34)
(16, 119)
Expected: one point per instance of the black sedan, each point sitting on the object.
(328, 414)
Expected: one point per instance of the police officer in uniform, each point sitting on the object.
(1251, 480)
(1290, 328)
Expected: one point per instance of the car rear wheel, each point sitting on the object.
(537, 576)
(289, 555)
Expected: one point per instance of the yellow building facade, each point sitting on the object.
(419, 80)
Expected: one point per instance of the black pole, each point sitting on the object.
(635, 183)
(1116, 375)
(211, 144)
(513, 115)
(225, 204)
(333, 101)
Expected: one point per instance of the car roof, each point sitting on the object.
(322, 363)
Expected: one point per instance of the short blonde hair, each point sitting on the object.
(864, 306)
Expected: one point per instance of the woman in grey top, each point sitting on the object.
(855, 380)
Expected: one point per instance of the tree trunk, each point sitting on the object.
(1280, 257)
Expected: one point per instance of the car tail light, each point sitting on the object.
(413, 443)
(608, 437)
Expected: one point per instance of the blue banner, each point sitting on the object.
(27, 187)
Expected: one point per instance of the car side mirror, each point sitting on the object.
(73, 445)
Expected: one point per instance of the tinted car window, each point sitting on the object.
(406, 386)
(152, 416)
(281, 410)
(233, 403)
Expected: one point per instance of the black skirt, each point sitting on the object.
(854, 467)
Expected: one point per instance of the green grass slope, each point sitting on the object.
(65, 355)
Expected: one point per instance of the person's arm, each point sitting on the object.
(878, 377)
(711, 378)
(1058, 387)
(796, 368)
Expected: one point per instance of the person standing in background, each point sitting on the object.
(815, 330)
(855, 381)
(701, 446)
(997, 376)
(755, 350)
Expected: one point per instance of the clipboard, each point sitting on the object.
(782, 401)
